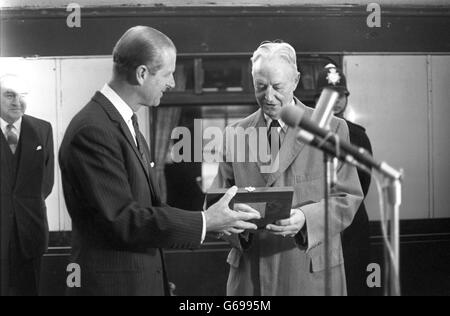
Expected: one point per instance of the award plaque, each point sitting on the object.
(272, 203)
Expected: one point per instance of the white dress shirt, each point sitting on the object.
(283, 125)
(16, 130)
(127, 113)
(121, 106)
(269, 121)
(282, 130)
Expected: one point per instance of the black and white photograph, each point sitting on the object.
(225, 153)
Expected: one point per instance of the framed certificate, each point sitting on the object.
(272, 203)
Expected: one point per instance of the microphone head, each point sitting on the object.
(324, 108)
(291, 115)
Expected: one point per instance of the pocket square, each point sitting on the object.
(38, 148)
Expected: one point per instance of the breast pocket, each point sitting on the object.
(309, 186)
(35, 162)
(309, 176)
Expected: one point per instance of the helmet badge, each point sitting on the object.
(333, 77)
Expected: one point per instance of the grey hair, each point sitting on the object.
(276, 49)
(18, 78)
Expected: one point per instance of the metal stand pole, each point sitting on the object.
(392, 201)
(328, 169)
(394, 195)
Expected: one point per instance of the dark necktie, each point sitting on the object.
(140, 142)
(11, 138)
(274, 134)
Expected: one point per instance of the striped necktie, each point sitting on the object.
(140, 142)
(11, 138)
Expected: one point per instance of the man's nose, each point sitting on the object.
(171, 83)
(270, 94)
(17, 100)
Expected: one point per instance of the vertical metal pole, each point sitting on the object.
(394, 195)
(327, 185)
(387, 258)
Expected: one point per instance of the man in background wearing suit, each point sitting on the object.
(27, 175)
(355, 239)
(119, 223)
(287, 258)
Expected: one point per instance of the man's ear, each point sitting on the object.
(297, 79)
(141, 74)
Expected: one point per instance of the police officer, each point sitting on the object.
(355, 239)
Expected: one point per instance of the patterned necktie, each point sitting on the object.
(11, 138)
(140, 142)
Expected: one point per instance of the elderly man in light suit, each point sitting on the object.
(288, 257)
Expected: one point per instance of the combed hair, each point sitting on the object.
(140, 45)
(21, 80)
(276, 49)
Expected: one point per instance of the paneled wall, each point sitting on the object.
(59, 88)
(440, 134)
(403, 102)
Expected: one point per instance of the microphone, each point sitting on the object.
(293, 116)
(322, 117)
(324, 109)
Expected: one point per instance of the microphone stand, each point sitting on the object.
(393, 198)
(327, 160)
(330, 180)
(315, 133)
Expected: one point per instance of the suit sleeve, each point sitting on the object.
(49, 173)
(344, 201)
(95, 163)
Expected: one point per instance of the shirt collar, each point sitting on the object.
(283, 125)
(17, 125)
(125, 111)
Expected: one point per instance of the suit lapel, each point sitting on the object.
(5, 151)
(117, 118)
(259, 122)
(289, 151)
(28, 143)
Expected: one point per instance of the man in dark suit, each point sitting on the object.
(355, 239)
(120, 225)
(27, 175)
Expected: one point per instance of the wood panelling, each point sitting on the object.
(228, 29)
(425, 262)
(388, 96)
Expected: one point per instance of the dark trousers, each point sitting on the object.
(24, 273)
(356, 248)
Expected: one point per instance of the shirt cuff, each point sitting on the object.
(204, 228)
